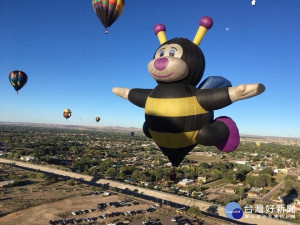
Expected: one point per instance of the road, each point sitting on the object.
(170, 199)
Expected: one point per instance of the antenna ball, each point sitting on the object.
(159, 27)
(206, 22)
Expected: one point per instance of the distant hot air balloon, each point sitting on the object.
(132, 134)
(97, 119)
(17, 79)
(67, 113)
(253, 2)
(108, 11)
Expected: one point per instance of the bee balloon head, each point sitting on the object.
(179, 59)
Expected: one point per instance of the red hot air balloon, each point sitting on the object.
(108, 11)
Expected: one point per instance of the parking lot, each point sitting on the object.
(166, 220)
(110, 207)
(63, 209)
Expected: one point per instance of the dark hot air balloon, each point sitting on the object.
(17, 79)
(108, 11)
(97, 119)
(67, 113)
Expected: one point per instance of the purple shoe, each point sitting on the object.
(233, 140)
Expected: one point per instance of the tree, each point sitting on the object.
(267, 170)
(262, 180)
(135, 174)
(71, 182)
(194, 211)
(111, 172)
(240, 192)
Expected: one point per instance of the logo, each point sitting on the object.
(233, 210)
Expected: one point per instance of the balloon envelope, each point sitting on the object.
(97, 119)
(17, 79)
(67, 113)
(108, 11)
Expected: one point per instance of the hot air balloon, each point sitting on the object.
(108, 11)
(132, 134)
(17, 79)
(179, 114)
(253, 2)
(97, 119)
(67, 113)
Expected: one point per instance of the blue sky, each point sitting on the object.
(70, 62)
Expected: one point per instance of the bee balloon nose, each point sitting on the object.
(161, 63)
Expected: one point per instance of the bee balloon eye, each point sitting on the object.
(161, 53)
(172, 52)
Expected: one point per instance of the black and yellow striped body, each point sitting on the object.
(174, 118)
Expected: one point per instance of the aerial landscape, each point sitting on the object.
(264, 171)
(149, 112)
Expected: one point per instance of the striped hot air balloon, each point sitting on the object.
(108, 11)
(17, 79)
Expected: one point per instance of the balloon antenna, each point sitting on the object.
(159, 30)
(205, 24)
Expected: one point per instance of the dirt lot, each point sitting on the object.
(34, 191)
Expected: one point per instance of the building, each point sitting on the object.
(252, 194)
(285, 171)
(202, 179)
(229, 189)
(5, 183)
(186, 182)
(243, 162)
(27, 158)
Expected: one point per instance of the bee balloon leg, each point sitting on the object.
(222, 132)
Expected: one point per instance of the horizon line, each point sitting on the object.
(120, 127)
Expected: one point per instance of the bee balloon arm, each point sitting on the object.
(121, 92)
(244, 91)
(213, 99)
(136, 96)
(139, 96)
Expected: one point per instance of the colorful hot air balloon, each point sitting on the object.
(108, 11)
(97, 119)
(17, 79)
(67, 113)
(179, 113)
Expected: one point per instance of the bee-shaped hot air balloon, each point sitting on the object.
(178, 114)
(17, 79)
(67, 113)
